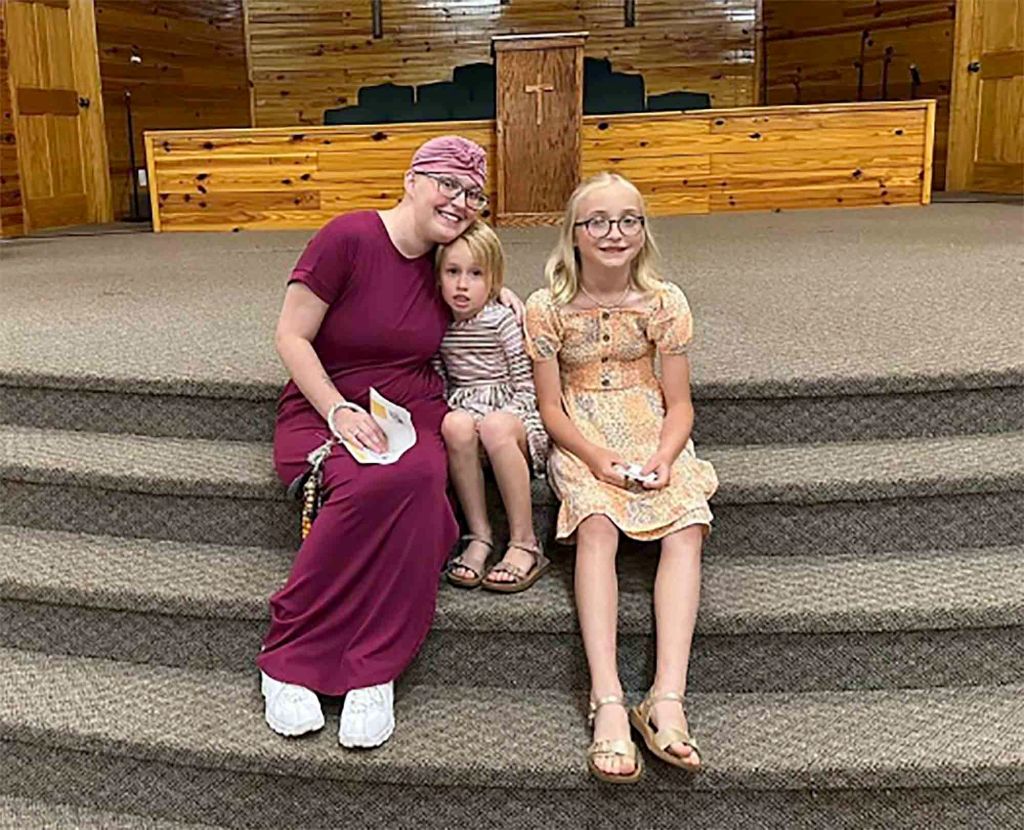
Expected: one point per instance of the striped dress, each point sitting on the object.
(486, 370)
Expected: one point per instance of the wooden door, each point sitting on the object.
(986, 129)
(539, 115)
(58, 112)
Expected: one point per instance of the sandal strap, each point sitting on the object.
(531, 548)
(618, 747)
(609, 700)
(651, 699)
(472, 537)
(664, 738)
(458, 563)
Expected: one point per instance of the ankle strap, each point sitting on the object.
(615, 700)
(472, 537)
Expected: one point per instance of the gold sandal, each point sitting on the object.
(478, 576)
(658, 741)
(621, 748)
(521, 580)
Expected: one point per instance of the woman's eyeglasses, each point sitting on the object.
(598, 227)
(452, 188)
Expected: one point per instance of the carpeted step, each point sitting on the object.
(193, 745)
(797, 499)
(931, 618)
(25, 814)
(725, 413)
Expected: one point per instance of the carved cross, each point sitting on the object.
(539, 89)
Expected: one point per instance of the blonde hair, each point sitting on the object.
(485, 248)
(563, 266)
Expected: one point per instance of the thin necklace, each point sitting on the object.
(599, 304)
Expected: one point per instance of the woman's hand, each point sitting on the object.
(509, 298)
(360, 429)
(662, 470)
(606, 465)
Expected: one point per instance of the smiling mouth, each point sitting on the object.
(450, 216)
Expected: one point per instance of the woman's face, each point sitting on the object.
(609, 206)
(439, 217)
(465, 284)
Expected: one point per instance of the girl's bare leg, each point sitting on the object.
(504, 440)
(676, 597)
(460, 437)
(597, 603)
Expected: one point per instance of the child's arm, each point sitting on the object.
(601, 460)
(519, 369)
(678, 423)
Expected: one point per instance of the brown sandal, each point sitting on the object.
(658, 741)
(521, 579)
(622, 748)
(478, 576)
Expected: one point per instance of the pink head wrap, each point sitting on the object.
(452, 154)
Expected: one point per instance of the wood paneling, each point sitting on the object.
(768, 158)
(12, 219)
(309, 55)
(189, 71)
(540, 109)
(861, 50)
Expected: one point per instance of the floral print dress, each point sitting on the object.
(611, 392)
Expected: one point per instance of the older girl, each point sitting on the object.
(622, 460)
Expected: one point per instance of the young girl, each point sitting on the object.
(490, 391)
(622, 459)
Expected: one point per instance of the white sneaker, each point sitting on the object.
(291, 710)
(368, 716)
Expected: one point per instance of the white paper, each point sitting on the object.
(396, 422)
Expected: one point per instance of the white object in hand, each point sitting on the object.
(635, 473)
(396, 423)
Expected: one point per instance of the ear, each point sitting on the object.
(409, 182)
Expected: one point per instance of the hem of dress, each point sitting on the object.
(705, 520)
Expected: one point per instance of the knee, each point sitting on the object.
(458, 430)
(597, 533)
(499, 428)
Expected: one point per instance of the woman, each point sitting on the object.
(362, 309)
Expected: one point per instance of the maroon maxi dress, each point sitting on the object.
(360, 597)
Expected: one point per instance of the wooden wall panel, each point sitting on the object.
(277, 178)
(12, 218)
(308, 56)
(193, 73)
(766, 158)
(812, 51)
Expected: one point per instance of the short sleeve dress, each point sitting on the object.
(611, 392)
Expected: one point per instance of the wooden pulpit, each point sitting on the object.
(539, 116)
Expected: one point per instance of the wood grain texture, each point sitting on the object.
(987, 120)
(540, 108)
(192, 73)
(53, 70)
(307, 56)
(12, 217)
(813, 51)
(767, 158)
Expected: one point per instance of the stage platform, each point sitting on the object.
(860, 391)
(810, 302)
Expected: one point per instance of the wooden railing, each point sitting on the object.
(753, 158)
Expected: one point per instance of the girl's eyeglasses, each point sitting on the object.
(598, 227)
(452, 188)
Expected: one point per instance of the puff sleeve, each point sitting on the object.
(670, 327)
